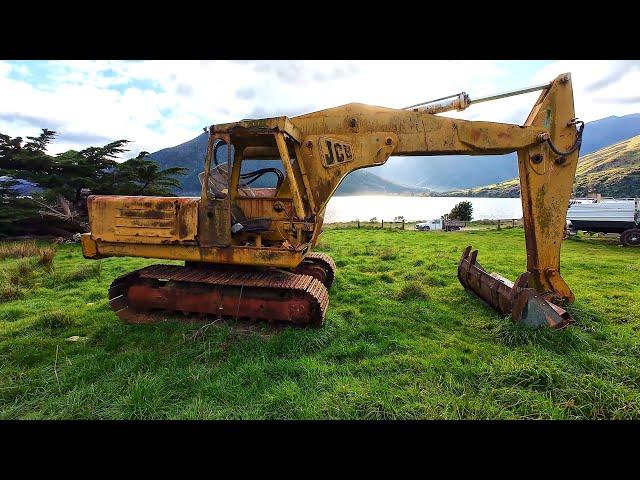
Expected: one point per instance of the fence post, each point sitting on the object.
(382, 225)
(513, 223)
(403, 223)
(498, 224)
(358, 223)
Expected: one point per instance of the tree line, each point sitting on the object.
(43, 194)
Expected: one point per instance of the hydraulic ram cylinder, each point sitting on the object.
(461, 101)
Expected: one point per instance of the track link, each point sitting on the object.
(143, 296)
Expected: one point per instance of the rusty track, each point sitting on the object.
(269, 295)
(318, 265)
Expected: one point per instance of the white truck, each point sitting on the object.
(442, 223)
(606, 215)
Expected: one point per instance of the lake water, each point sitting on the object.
(386, 207)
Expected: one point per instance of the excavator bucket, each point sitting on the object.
(524, 304)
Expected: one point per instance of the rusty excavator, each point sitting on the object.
(247, 250)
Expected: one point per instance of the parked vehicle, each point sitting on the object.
(443, 223)
(606, 215)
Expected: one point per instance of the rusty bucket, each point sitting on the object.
(524, 304)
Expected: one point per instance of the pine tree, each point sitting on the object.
(462, 211)
(56, 203)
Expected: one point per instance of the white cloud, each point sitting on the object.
(599, 86)
(162, 103)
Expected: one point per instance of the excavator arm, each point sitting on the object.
(334, 142)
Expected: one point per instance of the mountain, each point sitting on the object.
(463, 172)
(363, 182)
(613, 171)
(191, 155)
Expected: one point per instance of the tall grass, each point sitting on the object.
(28, 248)
(19, 277)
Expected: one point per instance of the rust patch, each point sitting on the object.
(523, 303)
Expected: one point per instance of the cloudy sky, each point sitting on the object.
(159, 104)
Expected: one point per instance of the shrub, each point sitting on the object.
(9, 291)
(20, 274)
(412, 291)
(387, 254)
(55, 320)
(27, 248)
(84, 273)
(386, 278)
(462, 211)
(46, 256)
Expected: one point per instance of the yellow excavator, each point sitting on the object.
(247, 250)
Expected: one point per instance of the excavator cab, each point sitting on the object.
(251, 194)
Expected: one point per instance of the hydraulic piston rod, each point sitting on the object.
(462, 101)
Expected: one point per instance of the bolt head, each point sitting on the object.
(544, 136)
(309, 144)
(389, 140)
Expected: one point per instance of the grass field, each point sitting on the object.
(402, 339)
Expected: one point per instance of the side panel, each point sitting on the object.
(215, 223)
(329, 159)
(150, 220)
(256, 256)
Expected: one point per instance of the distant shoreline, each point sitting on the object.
(417, 196)
(382, 194)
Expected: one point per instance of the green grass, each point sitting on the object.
(402, 339)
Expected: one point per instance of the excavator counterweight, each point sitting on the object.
(247, 248)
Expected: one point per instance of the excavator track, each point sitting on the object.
(319, 265)
(148, 294)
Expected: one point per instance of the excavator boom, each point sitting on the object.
(235, 226)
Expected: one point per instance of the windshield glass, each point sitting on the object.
(218, 186)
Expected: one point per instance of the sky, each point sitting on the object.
(158, 104)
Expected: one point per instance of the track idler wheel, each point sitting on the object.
(524, 304)
(320, 266)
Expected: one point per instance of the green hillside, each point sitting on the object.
(612, 171)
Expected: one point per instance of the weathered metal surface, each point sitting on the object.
(148, 220)
(89, 246)
(546, 182)
(234, 255)
(270, 295)
(524, 304)
(214, 223)
(318, 151)
(319, 265)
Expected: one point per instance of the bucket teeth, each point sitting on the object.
(524, 304)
